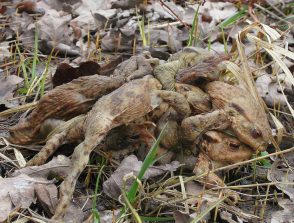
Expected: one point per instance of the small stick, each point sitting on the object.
(163, 4)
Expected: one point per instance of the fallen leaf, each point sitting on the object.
(113, 185)
(181, 217)
(47, 196)
(165, 13)
(108, 215)
(4, 51)
(59, 165)
(7, 86)
(92, 5)
(282, 172)
(29, 7)
(285, 215)
(270, 90)
(19, 157)
(54, 27)
(66, 73)
(18, 192)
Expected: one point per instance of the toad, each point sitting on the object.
(187, 65)
(136, 67)
(74, 98)
(60, 104)
(122, 106)
(236, 112)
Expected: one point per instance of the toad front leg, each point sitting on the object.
(194, 126)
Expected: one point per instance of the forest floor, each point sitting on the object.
(60, 59)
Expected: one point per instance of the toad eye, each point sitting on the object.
(186, 88)
(255, 133)
(234, 145)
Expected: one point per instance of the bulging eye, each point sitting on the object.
(255, 133)
(186, 88)
(234, 145)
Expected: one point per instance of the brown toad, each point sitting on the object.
(122, 106)
(236, 112)
(76, 97)
(235, 109)
(136, 67)
(60, 104)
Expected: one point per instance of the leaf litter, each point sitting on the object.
(91, 32)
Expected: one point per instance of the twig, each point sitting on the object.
(269, 12)
(163, 4)
(254, 185)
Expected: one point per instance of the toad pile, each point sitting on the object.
(223, 123)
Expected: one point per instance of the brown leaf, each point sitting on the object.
(54, 27)
(66, 73)
(181, 217)
(29, 7)
(18, 192)
(8, 84)
(285, 215)
(113, 185)
(58, 165)
(47, 196)
(281, 172)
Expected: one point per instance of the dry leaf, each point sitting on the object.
(58, 165)
(285, 215)
(281, 172)
(53, 27)
(18, 192)
(19, 157)
(7, 86)
(113, 185)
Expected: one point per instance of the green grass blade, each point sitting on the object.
(225, 41)
(234, 18)
(24, 69)
(42, 83)
(195, 22)
(129, 205)
(94, 210)
(35, 59)
(149, 160)
(96, 216)
(157, 219)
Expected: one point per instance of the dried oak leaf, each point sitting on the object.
(19, 192)
(46, 195)
(54, 27)
(58, 166)
(30, 183)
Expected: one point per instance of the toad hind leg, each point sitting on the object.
(79, 161)
(71, 133)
